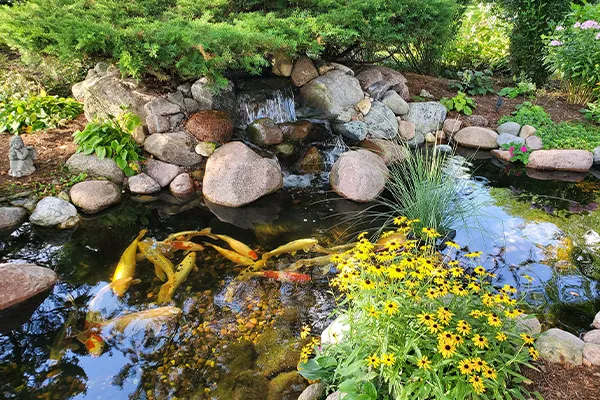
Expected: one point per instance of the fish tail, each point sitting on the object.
(164, 295)
(141, 234)
(208, 233)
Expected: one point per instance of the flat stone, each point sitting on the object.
(173, 147)
(451, 126)
(527, 131)
(355, 131)
(406, 130)
(508, 138)
(559, 346)
(427, 116)
(94, 167)
(502, 155)
(561, 160)
(534, 143)
(476, 137)
(395, 103)
(54, 212)
(182, 185)
(162, 106)
(332, 93)
(161, 172)
(591, 352)
(381, 122)
(592, 336)
(304, 71)
(11, 218)
(205, 149)
(20, 282)
(94, 196)
(511, 128)
(359, 175)
(143, 184)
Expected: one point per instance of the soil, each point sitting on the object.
(54, 147)
(557, 382)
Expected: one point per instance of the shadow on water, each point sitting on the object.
(527, 227)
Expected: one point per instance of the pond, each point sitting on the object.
(243, 348)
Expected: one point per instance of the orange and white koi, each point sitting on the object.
(181, 273)
(238, 246)
(187, 235)
(237, 258)
(185, 245)
(283, 276)
(291, 247)
(126, 266)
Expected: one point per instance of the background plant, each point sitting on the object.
(474, 82)
(523, 88)
(111, 138)
(574, 51)
(592, 112)
(421, 324)
(460, 103)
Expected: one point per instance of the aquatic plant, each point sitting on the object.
(421, 324)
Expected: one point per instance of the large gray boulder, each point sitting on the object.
(427, 116)
(597, 156)
(355, 131)
(163, 173)
(359, 175)
(558, 346)
(235, 176)
(11, 218)
(54, 212)
(332, 93)
(509, 128)
(395, 102)
(561, 160)
(95, 167)
(210, 97)
(174, 148)
(381, 122)
(476, 137)
(94, 196)
(20, 282)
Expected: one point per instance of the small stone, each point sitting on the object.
(182, 185)
(534, 143)
(161, 172)
(210, 126)
(395, 103)
(507, 138)
(451, 126)
(186, 89)
(443, 149)
(426, 95)
(476, 120)
(205, 149)
(363, 106)
(430, 137)
(304, 71)
(296, 131)
(264, 132)
(511, 128)
(143, 184)
(11, 218)
(354, 130)
(27, 203)
(591, 352)
(54, 212)
(285, 149)
(64, 196)
(157, 123)
(378, 89)
(416, 141)
(312, 161)
(476, 137)
(527, 131)
(175, 121)
(592, 336)
(346, 116)
(427, 116)
(406, 129)
(94, 196)
(282, 64)
(191, 106)
(337, 395)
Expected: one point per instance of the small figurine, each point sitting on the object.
(21, 158)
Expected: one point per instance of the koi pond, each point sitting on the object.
(249, 346)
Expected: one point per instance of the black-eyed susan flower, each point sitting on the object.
(434, 327)
(447, 350)
(391, 307)
(501, 336)
(479, 341)
(444, 314)
(477, 314)
(514, 313)
(305, 332)
(494, 320)
(489, 373)
(430, 233)
(457, 272)
(527, 338)
(426, 319)
(534, 353)
(474, 254)
(388, 359)
(396, 272)
(398, 221)
(373, 361)
(373, 312)
(453, 245)
(464, 367)
(479, 270)
(446, 337)
(463, 327)
(367, 284)
(478, 364)
(477, 383)
(424, 363)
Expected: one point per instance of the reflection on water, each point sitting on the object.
(220, 350)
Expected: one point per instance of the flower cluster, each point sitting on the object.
(419, 315)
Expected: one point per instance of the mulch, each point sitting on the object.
(559, 382)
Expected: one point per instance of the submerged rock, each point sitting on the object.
(278, 351)
(332, 93)
(312, 161)
(359, 175)
(95, 196)
(54, 212)
(427, 116)
(561, 160)
(20, 282)
(11, 218)
(94, 167)
(235, 175)
(264, 132)
(210, 126)
(286, 386)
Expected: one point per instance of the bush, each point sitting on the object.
(592, 112)
(523, 88)
(34, 113)
(481, 42)
(460, 103)
(112, 138)
(190, 39)
(474, 82)
(574, 52)
(421, 324)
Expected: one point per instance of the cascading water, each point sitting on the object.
(264, 98)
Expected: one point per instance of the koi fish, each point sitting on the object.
(283, 276)
(238, 246)
(187, 235)
(291, 247)
(93, 342)
(58, 348)
(162, 263)
(116, 286)
(186, 245)
(237, 258)
(126, 266)
(311, 262)
(183, 270)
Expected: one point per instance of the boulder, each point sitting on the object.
(191, 106)
(185, 88)
(355, 131)
(381, 122)
(174, 148)
(325, 66)
(591, 352)
(20, 282)
(597, 156)
(427, 116)
(556, 345)
(359, 175)
(402, 90)
(371, 75)
(162, 106)
(389, 151)
(592, 336)
(182, 185)
(11, 218)
(210, 126)
(143, 184)
(332, 93)
(161, 172)
(312, 161)
(235, 175)
(406, 129)
(304, 71)
(205, 149)
(476, 120)
(527, 131)
(377, 90)
(395, 102)
(296, 131)
(157, 123)
(95, 168)
(534, 143)
(510, 128)
(596, 321)
(368, 77)
(451, 126)
(316, 391)
(54, 212)
(529, 324)
(210, 97)
(264, 132)
(502, 155)
(476, 137)
(94, 196)
(561, 160)
(282, 64)
(508, 138)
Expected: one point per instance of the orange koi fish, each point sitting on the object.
(237, 258)
(238, 246)
(187, 235)
(186, 245)
(283, 276)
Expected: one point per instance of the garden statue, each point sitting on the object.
(21, 158)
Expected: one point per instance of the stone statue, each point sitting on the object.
(21, 158)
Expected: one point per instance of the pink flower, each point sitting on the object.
(556, 43)
(577, 25)
(590, 24)
(598, 36)
(523, 149)
(560, 28)
(511, 150)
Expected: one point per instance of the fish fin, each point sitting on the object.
(135, 281)
(163, 293)
(160, 274)
(141, 234)
(208, 233)
(293, 253)
(81, 337)
(185, 253)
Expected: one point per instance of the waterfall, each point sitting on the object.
(264, 98)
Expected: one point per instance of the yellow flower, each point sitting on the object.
(373, 312)
(434, 328)
(375, 269)
(305, 332)
(476, 314)
(501, 336)
(337, 258)
(456, 272)
(432, 293)
(534, 354)
(431, 233)
(488, 299)
(463, 327)
(426, 319)
(424, 363)
(453, 263)
(489, 373)
(452, 244)
(396, 272)
(509, 289)
(387, 234)
(388, 359)
(480, 341)
(446, 338)
(458, 340)
(512, 313)
(477, 384)
(494, 321)
(367, 284)
(392, 245)
(399, 220)
(474, 254)
(459, 290)
(391, 307)
(444, 314)
(479, 270)
(447, 350)
(465, 367)
(527, 339)
(474, 287)
(373, 361)
(478, 364)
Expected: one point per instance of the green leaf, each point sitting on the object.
(121, 163)
(101, 152)
(348, 386)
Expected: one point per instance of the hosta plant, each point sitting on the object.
(461, 103)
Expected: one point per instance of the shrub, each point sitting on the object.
(481, 42)
(111, 138)
(592, 112)
(574, 52)
(421, 324)
(190, 39)
(523, 88)
(460, 103)
(474, 82)
(34, 113)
